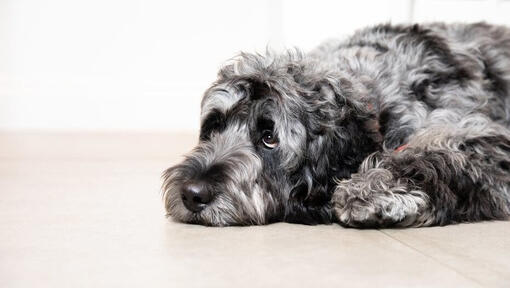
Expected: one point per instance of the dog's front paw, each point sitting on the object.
(375, 199)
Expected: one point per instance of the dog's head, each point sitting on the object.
(276, 132)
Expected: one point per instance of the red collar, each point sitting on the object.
(401, 148)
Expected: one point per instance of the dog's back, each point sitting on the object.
(485, 50)
(420, 73)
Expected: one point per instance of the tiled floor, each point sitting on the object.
(85, 210)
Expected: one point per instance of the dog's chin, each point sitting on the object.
(204, 218)
(212, 215)
(183, 215)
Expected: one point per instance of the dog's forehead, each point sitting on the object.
(220, 98)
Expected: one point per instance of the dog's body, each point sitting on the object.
(396, 126)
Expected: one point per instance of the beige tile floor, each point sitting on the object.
(84, 210)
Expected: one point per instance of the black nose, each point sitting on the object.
(195, 196)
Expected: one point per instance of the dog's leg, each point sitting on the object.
(443, 176)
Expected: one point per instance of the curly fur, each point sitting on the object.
(340, 114)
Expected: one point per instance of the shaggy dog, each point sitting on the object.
(395, 126)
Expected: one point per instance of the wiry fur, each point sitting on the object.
(340, 113)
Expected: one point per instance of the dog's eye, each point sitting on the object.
(269, 140)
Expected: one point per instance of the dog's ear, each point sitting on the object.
(342, 126)
(341, 131)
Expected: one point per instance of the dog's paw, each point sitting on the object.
(375, 199)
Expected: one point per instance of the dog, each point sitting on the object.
(395, 126)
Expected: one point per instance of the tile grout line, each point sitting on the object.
(431, 257)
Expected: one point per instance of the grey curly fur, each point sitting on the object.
(340, 114)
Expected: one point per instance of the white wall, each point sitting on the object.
(144, 64)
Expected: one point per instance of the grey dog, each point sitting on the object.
(395, 126)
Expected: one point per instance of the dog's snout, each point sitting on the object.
(195, 196)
